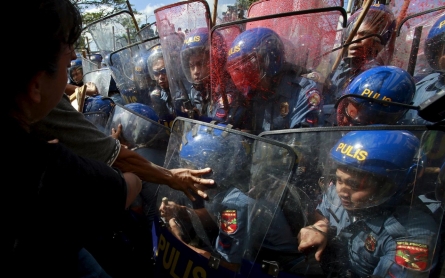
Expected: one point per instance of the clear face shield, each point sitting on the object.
(355, 111)
(196, 65)
(246, 73)
(354, 189)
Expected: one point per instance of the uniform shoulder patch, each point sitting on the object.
(229, 221)
(412, 255)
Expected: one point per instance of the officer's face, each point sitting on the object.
(160, 74)
(354, 189)
(77, 75)
(199, 67)
(368, 48)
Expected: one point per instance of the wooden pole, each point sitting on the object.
(354, 30)
(402, 13)
(132, 16)
(215, 8)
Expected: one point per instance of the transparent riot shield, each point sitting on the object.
(262, 8)
(410, 42)
(419, 53)
(187, 15)
(399, 176)
(365, 41)
(241, 222)
(112, 32)
(101, 78)
(139, 132)
(99, 119)
(88, 65)
(269, 55)
(148, 31)
(130, 71)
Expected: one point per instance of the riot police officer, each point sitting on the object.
(277, 97)
(365, 226)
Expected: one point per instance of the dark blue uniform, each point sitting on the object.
(207, 110)
(425, 88)
(342, 76)
(396, 242)
(231, 209)
(295, 102)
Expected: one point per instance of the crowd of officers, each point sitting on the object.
(51, 227)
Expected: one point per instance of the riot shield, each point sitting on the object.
(112, 32)
(139, 132)
(410, 42)
(296, 57)
(129, 67)
(101, 78)
(148, 31)
(188, 15)
(88, 65)
(270, 7)
(416, 190)
(99, 119)
(241, 222)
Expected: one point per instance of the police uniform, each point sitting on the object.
(426, 88)
(215, 111)
(163, 105)
(231, 209)
(342, 76)
(388, 242)
(295, 103)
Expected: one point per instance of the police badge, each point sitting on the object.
(370, 243)
(284, 109)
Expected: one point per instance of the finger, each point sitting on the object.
(190, 196)
(318, 253)
(202, 194)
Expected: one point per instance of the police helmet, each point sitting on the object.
(96, 58)
(254, 54)
(226, 153)
(75, 66)
(380, 21)
(143, 110)
(155, 53)
(196, 43)
(387, 83)
(98, 103)
(379, 16)
(141, 74)
(435, 45)
(97, 109)
(140, 127)
(384, 160)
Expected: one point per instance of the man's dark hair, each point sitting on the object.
(51, 25)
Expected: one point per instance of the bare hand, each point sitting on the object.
(115, 133)
(91, 89)
(169, 210)
(310, 238)
(188, 180)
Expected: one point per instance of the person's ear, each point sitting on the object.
(35, 87)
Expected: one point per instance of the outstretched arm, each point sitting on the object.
(185, 180)
(179, 179)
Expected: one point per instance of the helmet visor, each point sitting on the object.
(245, 73)
(353, 111)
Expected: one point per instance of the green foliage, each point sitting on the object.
(101, 8)
(245, 3)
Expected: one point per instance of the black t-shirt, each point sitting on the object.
(53, 200)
